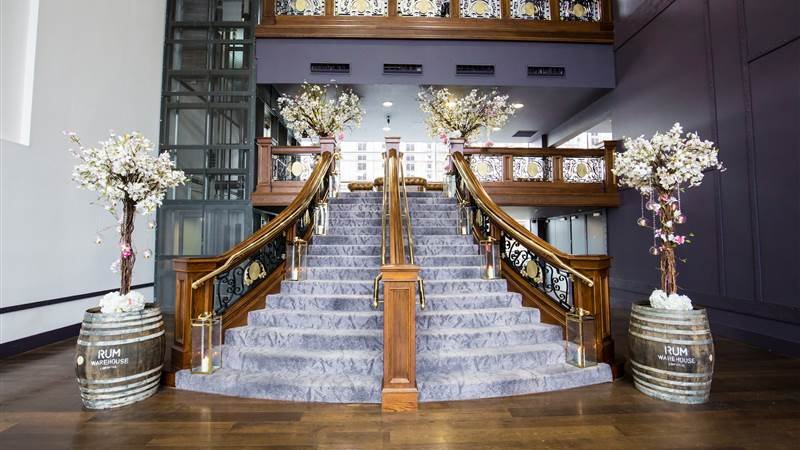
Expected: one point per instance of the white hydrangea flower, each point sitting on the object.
(113, 302)
(660, 300)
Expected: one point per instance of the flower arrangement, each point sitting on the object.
(452, 118)
(660, 169)
(321, 111)
(127, 177)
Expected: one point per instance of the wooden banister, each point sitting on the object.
(589, 273)
(399, 392)
(194, 286)
(271, 192)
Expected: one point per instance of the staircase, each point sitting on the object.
(319, 340)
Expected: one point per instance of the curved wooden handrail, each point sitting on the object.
(520, 151)
(511, 226)
(278, 225)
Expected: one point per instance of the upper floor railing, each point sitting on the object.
(546, 176)
(519, 20)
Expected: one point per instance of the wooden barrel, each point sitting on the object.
(120, 356)
(672, 353)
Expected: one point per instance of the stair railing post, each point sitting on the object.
(399, 391)
(189, 303)
(597, 300)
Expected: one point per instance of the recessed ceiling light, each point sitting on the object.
(517, 105)
(387, 129)
(387, 104)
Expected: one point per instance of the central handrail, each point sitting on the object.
(507, 223)
(278, 225)
(420, 283)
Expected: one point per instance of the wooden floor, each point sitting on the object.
(755, 404)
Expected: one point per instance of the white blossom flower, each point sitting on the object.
(451, 117)
(316, 112)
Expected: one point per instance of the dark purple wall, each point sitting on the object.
(731, 71)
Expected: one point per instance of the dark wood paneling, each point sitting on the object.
(775, 90)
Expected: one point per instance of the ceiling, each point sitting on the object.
(545, 108)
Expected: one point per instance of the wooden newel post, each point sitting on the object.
(399, 338)
(189, 303)
(597, 300)
(264, 182)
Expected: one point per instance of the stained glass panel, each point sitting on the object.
(584, 170)
(480, 9)
(299, 7)
(530, 9)
(423, 8)
(295, 167)
(487, 168)
(361, 7)
(580, 10)
(528, 168)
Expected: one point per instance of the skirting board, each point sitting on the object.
(38, 340)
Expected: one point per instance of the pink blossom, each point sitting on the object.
(341, 137)
(126, 251)
(679, 239)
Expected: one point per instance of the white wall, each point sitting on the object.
(18, 43)
(97, 67)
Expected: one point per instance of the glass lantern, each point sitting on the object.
(450, 186)
(465, 219)
(296, 259)
(490, 259)
(333, 186)
(321, 219)
(581, 347)
(206, 343)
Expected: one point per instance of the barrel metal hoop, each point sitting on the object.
(671, 331)
(669, 372)
(120, 342)
(123, 394)
(93, 404)
(695, 384)
(669, 341)
(120, 324)
(92, 390)
(685, 323)
(122, 331)
(662, 389)
(121, 379)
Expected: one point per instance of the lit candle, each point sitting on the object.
(205, 365)
(490, 271)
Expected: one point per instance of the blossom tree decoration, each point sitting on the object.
(452, 117)
(127, 177)
(321, 111)
(660, 169)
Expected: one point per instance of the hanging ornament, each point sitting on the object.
(651, 205)
(151, 224)
(642, 222)
(654, 250)
(680, 219)
(147, 254)
(98, 240)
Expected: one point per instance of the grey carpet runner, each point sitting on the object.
(319, 340)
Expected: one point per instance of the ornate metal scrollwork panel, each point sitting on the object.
(230, 286)
(530, 168)
(299, 7)
(293, 167)
(361, 7)
(422, 8)
(584, 170)
(480, 9)
(487, 167)
(530, 9)
(554, 282)
(579, 10)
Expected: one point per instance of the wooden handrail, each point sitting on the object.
(517, 151)
(278, 225)
(511, 226)
(397, 254)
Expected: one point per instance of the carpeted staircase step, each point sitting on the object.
(302, 361)
(375, 261)
(451, 339)
(465, 249)
(303, 338)
(375, 240)
(325, 302)
(364, 287)
(474, 300)
(341, 388)
(368, 273)
(502, 383)
(486, 359)
(340, 320)
(476, 318)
